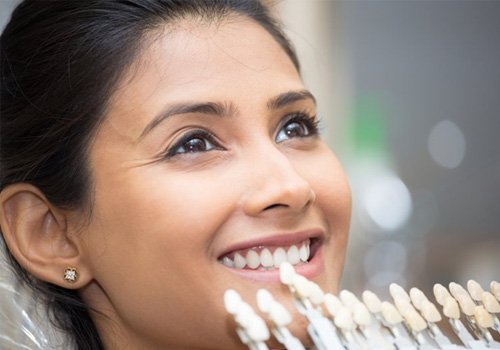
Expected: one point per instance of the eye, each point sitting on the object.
(197, 141)
(297, 125)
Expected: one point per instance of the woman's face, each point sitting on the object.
(208, 156)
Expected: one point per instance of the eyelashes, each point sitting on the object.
(295, 125)
(194, 141)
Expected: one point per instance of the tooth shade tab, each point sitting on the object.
(276, 312)
(397, 292)
(391, 314)
(475, 290)
(495, 289)
(490, 303)
(441, 293)
(466, 304)
(482, 317)
(451, 309)
(252, 325)
(415, 321)
(417, 298)
(257, 329)
(361, 315)
(232, 301)
(317, 296)
(332, 304)
(279, 315)
(403, 306)
(264, 300)
(302, 285)
(430, 312)
(372, 302)
(348, 298)
(344, 320)
(244, 314)
(286, 273)
(456, 290)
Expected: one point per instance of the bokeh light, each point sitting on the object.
(446, 144)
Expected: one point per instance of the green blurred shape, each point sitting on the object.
(368, 127)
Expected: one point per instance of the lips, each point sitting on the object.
(269, 253)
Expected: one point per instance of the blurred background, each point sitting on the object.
(409, 92)
(410, 96)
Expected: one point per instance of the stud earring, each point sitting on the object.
(70, 274)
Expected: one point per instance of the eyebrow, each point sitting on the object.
(224, 109)
(289, 97)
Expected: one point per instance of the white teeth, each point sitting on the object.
(279, 257)
(253, 259)
(303, 252)
(293, 255)
(266, 258)
(239, 261)
(227, 261)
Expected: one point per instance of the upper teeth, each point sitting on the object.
(268, 259)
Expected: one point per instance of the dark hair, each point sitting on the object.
(60, 61)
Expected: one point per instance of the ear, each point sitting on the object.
(36, 233)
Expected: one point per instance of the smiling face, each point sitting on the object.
(208, 168)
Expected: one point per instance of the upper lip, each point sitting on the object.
(276, 240)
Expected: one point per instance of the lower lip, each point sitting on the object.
(310, 270)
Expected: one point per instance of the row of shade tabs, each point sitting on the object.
(469, 318)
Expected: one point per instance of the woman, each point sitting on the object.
(154, 154)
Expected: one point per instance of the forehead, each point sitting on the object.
(195, 61)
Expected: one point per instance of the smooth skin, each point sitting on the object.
(168, 199)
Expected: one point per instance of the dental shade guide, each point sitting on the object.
(475, 291)
(413, 321)
(452, 312)
(484, 322)
(343, 320)
(493, 307)
(431, 314)
(280, 318)
(251, 328)
(379, 328)
(477, 320)
(394, 322)
(487, 300)
(495, 289)
(451, 309)
(320, 328)
(348, 323)
(366, 325)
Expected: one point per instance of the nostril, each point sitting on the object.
(275, 206)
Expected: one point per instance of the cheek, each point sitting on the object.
(150, 242)
(333, 196)
(156, 209)
(329, 182)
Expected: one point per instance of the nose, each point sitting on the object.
(276, 186)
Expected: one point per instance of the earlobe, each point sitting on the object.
(36, 233)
